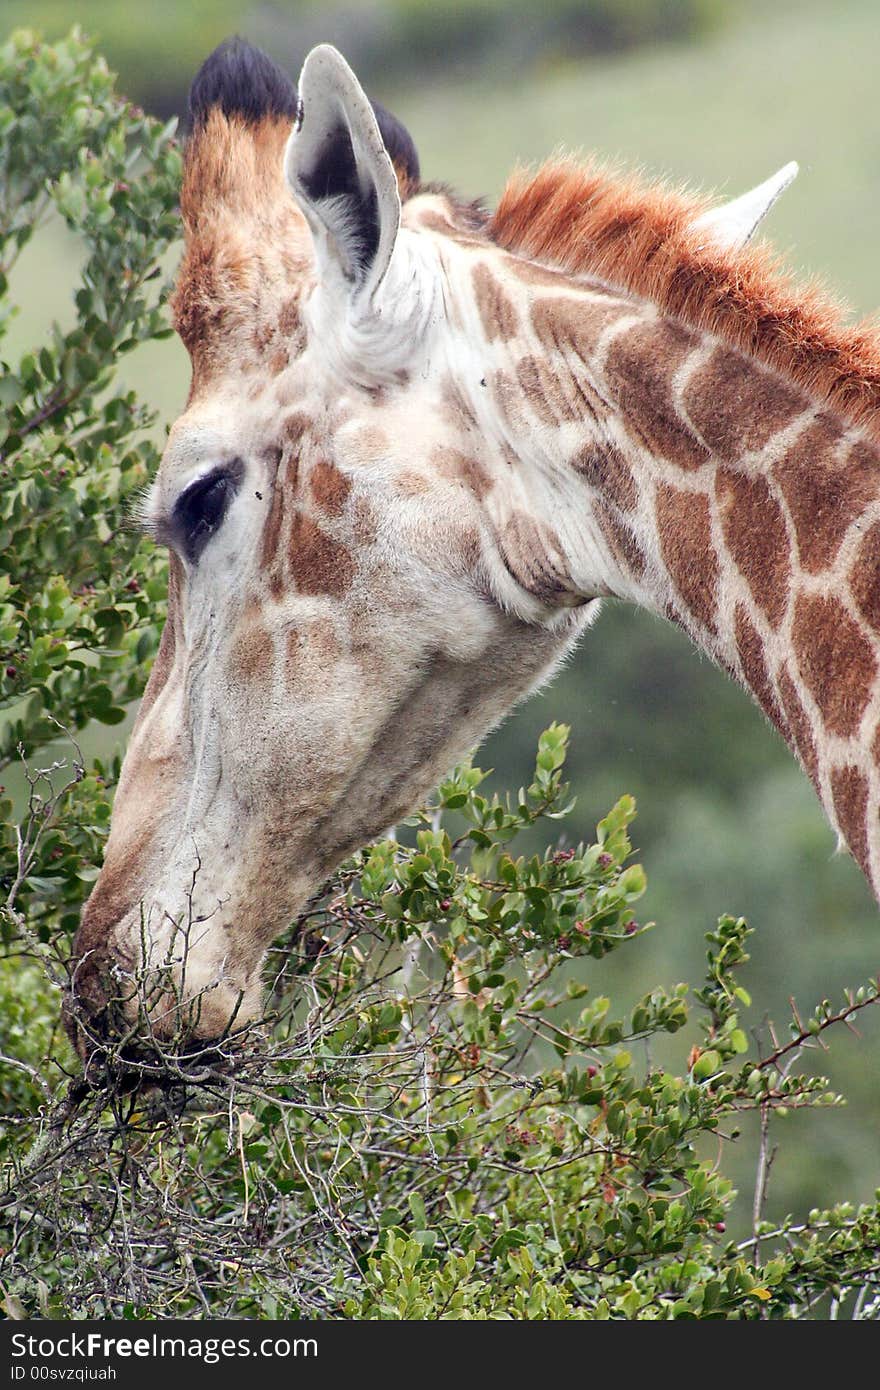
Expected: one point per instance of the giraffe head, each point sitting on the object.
(344, 621)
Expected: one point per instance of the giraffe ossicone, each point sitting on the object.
(421, 443)
(733, 224)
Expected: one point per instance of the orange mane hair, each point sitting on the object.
(584, 219)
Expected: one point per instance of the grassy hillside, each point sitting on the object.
(156, 47)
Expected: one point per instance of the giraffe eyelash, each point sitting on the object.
(140, 518)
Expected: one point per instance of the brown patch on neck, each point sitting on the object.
(456, 409)
(836, 662)
(290, 323)
(321, 635)
(496, 309)
(737, 407)
(864, 577)
(606, 470)
(552, 393)
(586, 220)
(750, 650)
(754, 529)
(621, 541)
(371, 444)
(686, 545)
(800, 734)
(541, 276)
(438, 208)
(825, 494)
(508, 399)
(575, 323)
(531, 554)
(849, 791)
(640, 367)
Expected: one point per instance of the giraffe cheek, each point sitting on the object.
(251, 656)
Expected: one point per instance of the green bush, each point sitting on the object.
(439, 1118)
(80, 591)
(441, 1115)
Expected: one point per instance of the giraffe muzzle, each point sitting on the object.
(152, 1017)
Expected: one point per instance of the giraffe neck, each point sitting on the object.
(662, 466)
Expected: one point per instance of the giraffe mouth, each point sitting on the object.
(121, 1062)
(131, 1038)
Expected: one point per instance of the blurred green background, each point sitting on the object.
(714, 93)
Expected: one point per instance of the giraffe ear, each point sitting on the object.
(736, 222)
(341, 174)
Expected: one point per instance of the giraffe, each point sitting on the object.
(422, 443)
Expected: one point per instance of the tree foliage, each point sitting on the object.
(441, 1115)
(80, 591)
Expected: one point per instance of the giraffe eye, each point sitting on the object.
(200, 510)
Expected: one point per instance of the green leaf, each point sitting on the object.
(707, 1064)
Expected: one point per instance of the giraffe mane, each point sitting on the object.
(587, 219)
